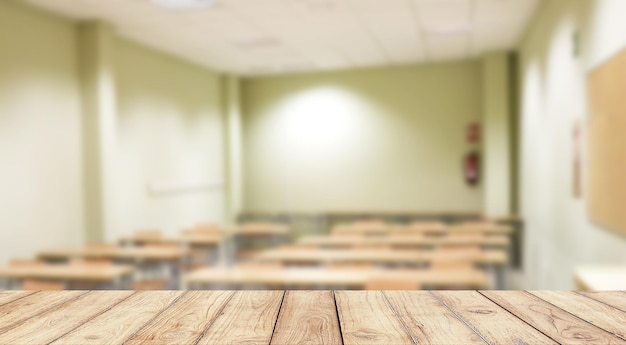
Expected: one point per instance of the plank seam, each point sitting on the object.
(94, 316)
(597, 300)
(19, 298)
(524, 321)
(576, 316)
(460, 318)
(280, 308)
(395, 313)
(338, 317)
(217, 316)
(51, 309)
(156, 316)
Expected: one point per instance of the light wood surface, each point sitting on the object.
(67, 272)
(380, 256)
(601, 277)
(185, 321)
(564, 327)
(259, 309)
(307, 277)
(148, 253)
(309, 317)
(443, 327)
(403, 241)
(613, 298)
(366, 319)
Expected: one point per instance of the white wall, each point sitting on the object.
(559, 234)
(377, 139)
(40, 133)
(170, 134)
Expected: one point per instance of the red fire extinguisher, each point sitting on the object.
(471, 167)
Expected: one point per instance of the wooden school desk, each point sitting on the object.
(109, 276)
(329, 278)
(164, 260)
(402, 241)
(312, 317)
(138, 254)
(379, 256)
(187, 240)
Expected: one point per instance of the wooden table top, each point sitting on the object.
(307, 277)
(189, 239)
(258, 229)
(121, 253)
(496, 229)
(67, 272)
(408, 241)
(312, 317)
(601, 277)
(382, 256)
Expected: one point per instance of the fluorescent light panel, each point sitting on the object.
(184, 4)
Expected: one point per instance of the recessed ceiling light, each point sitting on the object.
(184, 4)
(448, 28)
(261, 42)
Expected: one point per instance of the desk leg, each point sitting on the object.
(498, 272)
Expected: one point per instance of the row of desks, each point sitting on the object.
(498, 241)
(380, 256)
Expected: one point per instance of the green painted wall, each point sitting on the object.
(373, 139)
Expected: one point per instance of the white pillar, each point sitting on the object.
(234, 148)
(97, 74)
(497, 135)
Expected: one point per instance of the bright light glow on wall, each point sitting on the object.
(321, 121)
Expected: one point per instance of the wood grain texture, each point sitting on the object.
(366, 318)
(124, 319)
(307, 317)
(549, 319)
(616, 299)
(428, 320)
(259, 309)
(185, 321)
(10, 296)
(11, 314)
(50, 326)
(608, 318)
(494, 324)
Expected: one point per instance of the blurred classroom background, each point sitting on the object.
(305, 144)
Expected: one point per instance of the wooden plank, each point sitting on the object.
(185, 321)
(608, 318)
(493, 323)
(549, 319)
(10, 296)
(248, 318)
(428, 320)
(12, 314)
(50, 326)
(307, 317)
(366, 318)
(123, 320)
(616, 299)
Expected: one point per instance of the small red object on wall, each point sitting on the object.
(472, 168)
(473, 132)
